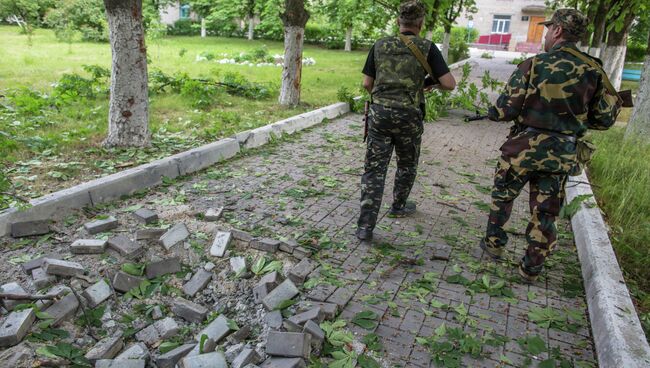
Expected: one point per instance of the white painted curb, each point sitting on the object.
(618, 336)
(55, 205)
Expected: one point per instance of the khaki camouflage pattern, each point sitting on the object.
(389, 128)
(400, 77)
(562, 96)
(571, 20)
(412, 10)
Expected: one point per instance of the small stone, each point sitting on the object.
(149, 233)
(213, 214)
(145, 216)
(274, 319)
(288, 344)
(317, 333)
(120, 363)
(12, 288)
(238, 265)
(301, 253)
(62, 268)
(285, 291)
(124, 282)
(241, 236)
(125, 247)
(175, 235)
(170, 358)
(16, 326)
(106, 348)
(313, 314)
(188, 310)
(233, 351)
(299, 272)
(156, 313)
(240, 335)
(266, 245)
(220, 243)
(63, 309)
(159, 330)
(210, 360)
(163, 267)
(88, 246)
(99, 226)
(216, 330)
(246, 356)
(97, 293)
(42, 279)
(198, 282)
(209, 266)
(30, 228)
(275, 362)
(135, 351)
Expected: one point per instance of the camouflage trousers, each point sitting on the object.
(388, 129)
(546, 196)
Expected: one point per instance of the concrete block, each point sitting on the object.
(145, 216)
(41, 279)
(238, 265)
(188, 310)
(209, 345)
(240, 335)
(198, 282)
(163, 267)
(157, 331)
(170, 358)
(260, 292)
(126, 247)
(288, 344)
(120, 363)
(335, 110)
(135, 351)
(97, 293)
(100, 226)
(207, 155)
(242, 236)
(275, 362)
(210, 360)
(313, 314)
(124, 282)
(16, 326)
(271, 279)
(62, 268)
(63, 309)
(149, 233)
(266, 245)
(299, 272)
(38, 262)
(287, 246)
(247, 356)
(106, 348)
(285, 291)
(291, 326)
(274, 319)
(220, 243)
(175, 235)
(328, 310)
(13, 288)
(30, 228)
(317, 333)
(216, 330)
(301, 253)
(257, 137)
(213, 214)
(88, 246)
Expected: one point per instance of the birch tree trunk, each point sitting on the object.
(613, 55)
(128, 115)
(445, 44)
(251, 25)
(639, 125)
(294, 19)
(600, 23)
(348, 39)
(203, 30)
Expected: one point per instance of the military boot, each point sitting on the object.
(404, 210)
(494, 252)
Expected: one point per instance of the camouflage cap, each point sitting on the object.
(571, 20)
(411, 10)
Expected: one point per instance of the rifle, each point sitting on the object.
(366, 110)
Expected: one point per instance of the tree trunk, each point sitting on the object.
(348, 39)
(128, 116)
(639, 125)
(613, 55)
(203, 30)
(251, 25)
(435, 13)
(429, 35)
(294, 19)
(445, 43)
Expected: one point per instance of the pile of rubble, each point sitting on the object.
(279, 328)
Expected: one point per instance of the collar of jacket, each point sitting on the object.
(408, 33)
(564, 44)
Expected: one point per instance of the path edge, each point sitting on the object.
(618, 336)
(123, 183)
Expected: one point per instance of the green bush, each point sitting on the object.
(184, 27)
(635, 53)
(83, 16)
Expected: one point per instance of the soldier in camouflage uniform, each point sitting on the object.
(395, 79)
(553, 98)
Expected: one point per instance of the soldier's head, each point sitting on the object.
(565, 25)
(411, 14)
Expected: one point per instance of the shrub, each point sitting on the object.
(184, 27)
(635, 53)
(83, 16)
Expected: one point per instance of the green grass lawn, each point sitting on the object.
(46, 151)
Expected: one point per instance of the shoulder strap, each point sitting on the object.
(418, 54)
(594, 65)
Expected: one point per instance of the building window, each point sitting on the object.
(185, 11)
(501, 24)
(524, 18)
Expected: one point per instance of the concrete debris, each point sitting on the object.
(124, 282)
(213, 214)
(198, 282)
(238, 265)
(12, 288)
(274, 362)
(170, 358)
(163, 267)
(157, 331)
(100, 226)
(285, 291)
(16, 326)
(62, 268)
(175, 235)
(145, 216)
(135, 351)
(220, 243)
(125, 246)
(299, 272)
(30, 228)
(149, 233)
(88, 246)
(42, 279)
(106, 348)
(246, 356)
(120, 363)
(97, 293)
(209, 360)
(188, 310)
(63, 309)
(266, 245)
(288, 344)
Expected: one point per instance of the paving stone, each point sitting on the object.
(16, 326)
(220, 243)
(63, 309)
(233, 351)
(271, 279)
(145, 215)
(157, 331)
(42, 279)
(125, 246)
(156, 313)
(88, 246)
(301, 253)
(175, 235)
(321, 292)
(241, 236)
(97, 293)
(163, 267)
(266, 245)
(216, 330)
(106, 348)
(135, 351)
(317, 334)
(274, 362)
(211, 360)
(260, 292)
(188, 310)
(120, 363)
(329, 310)
(313, 314)
(124, 282)
(238, 265)
(37, 262)
(149, 233)
(342, 296)
(274, 319)
(170, 358)
(299, 272)
(13, 288)
(291, 326)
(30, 228)
(99, 226)
(288, 246)
(213, 214)
(240, 335)
(288, 344)
(209, 345)
(198, 282)
(62, 268)
(247, 356)
(285, 291)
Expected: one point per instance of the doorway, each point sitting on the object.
(535, 30)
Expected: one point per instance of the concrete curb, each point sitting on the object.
(618, 336)
(55, 205)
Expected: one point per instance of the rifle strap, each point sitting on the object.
(418, 54)
(594, 65)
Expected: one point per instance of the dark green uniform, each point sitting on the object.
(553, 98)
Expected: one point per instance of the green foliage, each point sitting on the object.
(571, 208)
(66, 351)
(92, 317)
(184, 27)
(519, 60)
(366, 319)
(345, 95)
(569, 320)
(84, 17)
(263, 266)
(135, 269)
